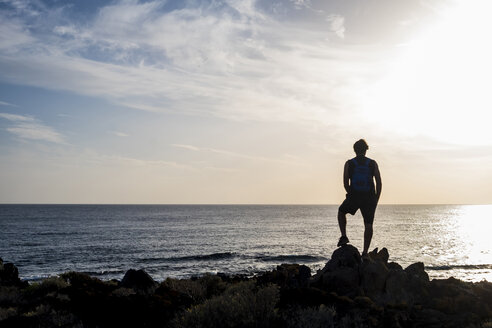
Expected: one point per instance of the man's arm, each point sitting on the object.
(379, 183)
(346, 183)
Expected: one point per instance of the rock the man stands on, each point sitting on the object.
(359, 174)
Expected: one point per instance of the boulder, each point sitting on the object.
(344, 281)
(409, 286)
(394, 266)
(345, 256)
(287, 276)
(341, 273)
(384, 283)
(373, 275)
(381, 256)
(139, 280)
(9, 275)
(452, 295)
(396, 288)
(417, 271)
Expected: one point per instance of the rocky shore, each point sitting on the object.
(347, 292)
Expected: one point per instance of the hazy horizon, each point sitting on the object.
(243, 102)
(237, 204)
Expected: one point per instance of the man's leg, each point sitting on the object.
(342, 222)
(368, 215)
(367, 237)
(346, 207)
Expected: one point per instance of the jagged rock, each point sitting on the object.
(9, 275)
(345, 256)
(452, 295)
(373, 275)
(344, 281)
(383, 282)
(417, 271)
(409, 286)
(394, 266)
(382, 255)
(341, 273)
(139, 280)
(287, 275)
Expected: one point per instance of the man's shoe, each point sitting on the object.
(343, 241)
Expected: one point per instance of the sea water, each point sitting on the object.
(189, 240)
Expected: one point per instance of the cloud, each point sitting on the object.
(337, 25)
(144, 162)
(16, 118)
(228, 60)
(4, 103)
(27, 7)
(119, 134)
(300, 4)
(27, 127)
(289, 159)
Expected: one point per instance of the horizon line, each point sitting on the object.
(243, 204)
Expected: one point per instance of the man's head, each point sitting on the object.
(360, 147)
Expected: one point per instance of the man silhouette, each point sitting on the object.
(359, 174)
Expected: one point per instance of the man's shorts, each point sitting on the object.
(366, 202)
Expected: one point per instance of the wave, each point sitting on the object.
(104, 272)
(463, 266)
(291, 258)
(58, 233)
(230, 255)
(192, 258)
(205, 257)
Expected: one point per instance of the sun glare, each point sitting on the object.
(440, 85)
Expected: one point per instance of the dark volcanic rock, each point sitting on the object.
(417, 271)
(287, 276)
(341, 273)
(9, 275)
(407, 295)
(139, 280)
(373, 275)
(381, 256)
(384, 283)
(345, 256)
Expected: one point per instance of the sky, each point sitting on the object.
(243, 101)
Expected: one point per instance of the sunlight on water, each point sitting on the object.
(474, 226)
(451, 240)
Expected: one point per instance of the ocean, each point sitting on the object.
(181, 241)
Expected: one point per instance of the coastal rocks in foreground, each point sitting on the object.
(403, 297)
(348, 292)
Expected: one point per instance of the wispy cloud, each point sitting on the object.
(288, 160)
(119, 134)
(337, 24)
(16, 118)
(27, 127)
(146, 162)
(230, 61)
(4, 103)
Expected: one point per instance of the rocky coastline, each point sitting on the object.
(348, 292)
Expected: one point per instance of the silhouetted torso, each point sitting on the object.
(361, 160)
